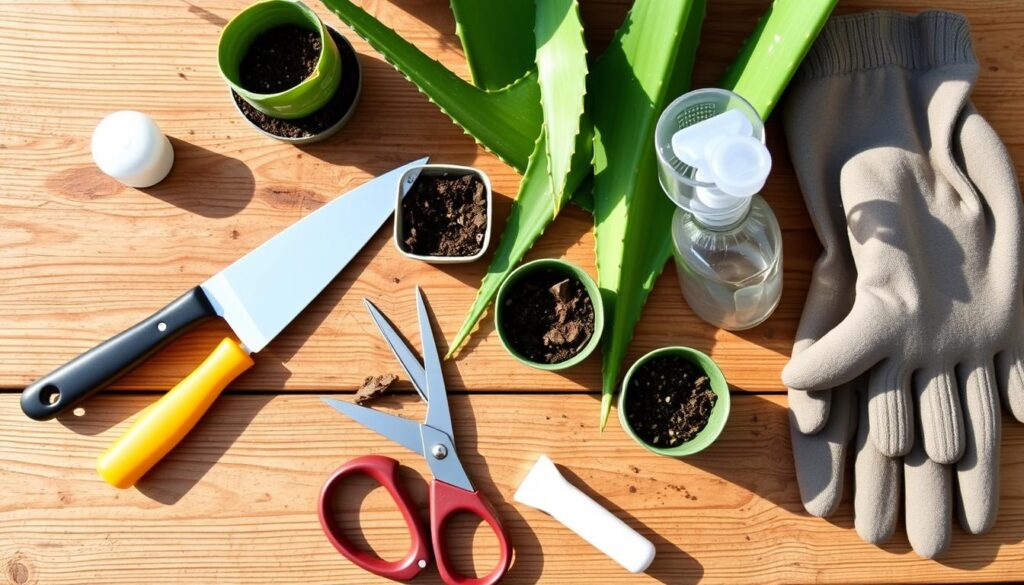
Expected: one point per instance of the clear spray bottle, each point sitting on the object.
(726, 241)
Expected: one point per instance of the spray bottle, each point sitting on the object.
(726, 241)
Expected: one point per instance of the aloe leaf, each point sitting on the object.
(648, 63)
(775, 49)
(506, 121)
(562, 74)
(560, 37)
(497, 38)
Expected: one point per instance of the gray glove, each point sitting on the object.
(914, 315)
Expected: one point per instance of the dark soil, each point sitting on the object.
(344, 99)
(669, 401)
(547, 316)
(445, 215)
(279, 59)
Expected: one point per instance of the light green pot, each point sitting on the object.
(719, 414)
(568, 269)
(305, 98)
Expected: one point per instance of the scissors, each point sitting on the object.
(451, 492)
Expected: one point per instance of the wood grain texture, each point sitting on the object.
(90, 257)
(244, 485)
(85, 257)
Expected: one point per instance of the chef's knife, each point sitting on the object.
(258, 296)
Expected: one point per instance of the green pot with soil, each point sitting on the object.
(291, 76)
(443, 214)
(674, 401)
(549, 314)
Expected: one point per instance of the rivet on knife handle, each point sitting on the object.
(164, 423)
(97, 368)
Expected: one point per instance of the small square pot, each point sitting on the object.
(406, 183)
(719, 414)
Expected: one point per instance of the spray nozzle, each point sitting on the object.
(722, 150)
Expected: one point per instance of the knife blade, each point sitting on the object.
(258, 296)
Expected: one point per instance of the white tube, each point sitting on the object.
(546, 490)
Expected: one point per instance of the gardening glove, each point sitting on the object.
(923, 308)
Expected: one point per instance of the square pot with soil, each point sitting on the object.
(443, 214)
(549, 314)
(291, 77)
(674, 401)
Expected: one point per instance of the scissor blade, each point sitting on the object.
(438, 415)
(405, 356)
(400, 430)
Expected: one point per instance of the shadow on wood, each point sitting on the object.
(669, 562)
(170, 479)
(205, 182)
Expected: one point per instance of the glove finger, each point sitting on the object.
(820, 458)
(942, 424)
(978, 470)
(876, 485)
(890, 409)
(1010, 376)
(928, 500)
(845, 352)
(809, 410)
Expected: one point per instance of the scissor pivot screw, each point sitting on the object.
(439, 451)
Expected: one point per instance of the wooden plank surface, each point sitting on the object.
(91, 257)
(235, 502)
(83, 257)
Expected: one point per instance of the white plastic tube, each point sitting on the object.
(546, 490)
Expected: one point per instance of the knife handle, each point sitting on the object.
(164, 423)
(97, 368)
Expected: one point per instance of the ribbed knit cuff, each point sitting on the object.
(879, 39)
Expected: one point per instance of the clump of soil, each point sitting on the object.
(668, 401)
(547, 316)
(373, 387)
(445, 215)
(334, 110)
(279, 59)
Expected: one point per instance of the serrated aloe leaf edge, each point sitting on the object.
(647, 65)
(554, 136)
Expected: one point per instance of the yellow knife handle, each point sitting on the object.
(164, 423)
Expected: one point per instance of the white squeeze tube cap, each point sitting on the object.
(130, 147)
(546, 490)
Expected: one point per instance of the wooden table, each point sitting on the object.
(82, 257)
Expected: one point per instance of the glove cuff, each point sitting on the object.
(882, 39)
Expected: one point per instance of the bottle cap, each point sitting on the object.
(739, 165)
(690, 144)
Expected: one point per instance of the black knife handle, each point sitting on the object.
(97, 368)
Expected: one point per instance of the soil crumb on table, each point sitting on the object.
(445, 215)
(279, 59)
(373, 387)
(669, 401)
(547, 316)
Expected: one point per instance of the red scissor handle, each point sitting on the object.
(385, 471)
(447, 500)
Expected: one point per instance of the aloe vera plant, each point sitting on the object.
(505, 121)
(636, 78)
(529, 106)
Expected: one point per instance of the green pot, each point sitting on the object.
(719, 414)
(305, 98)
(569, 270)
